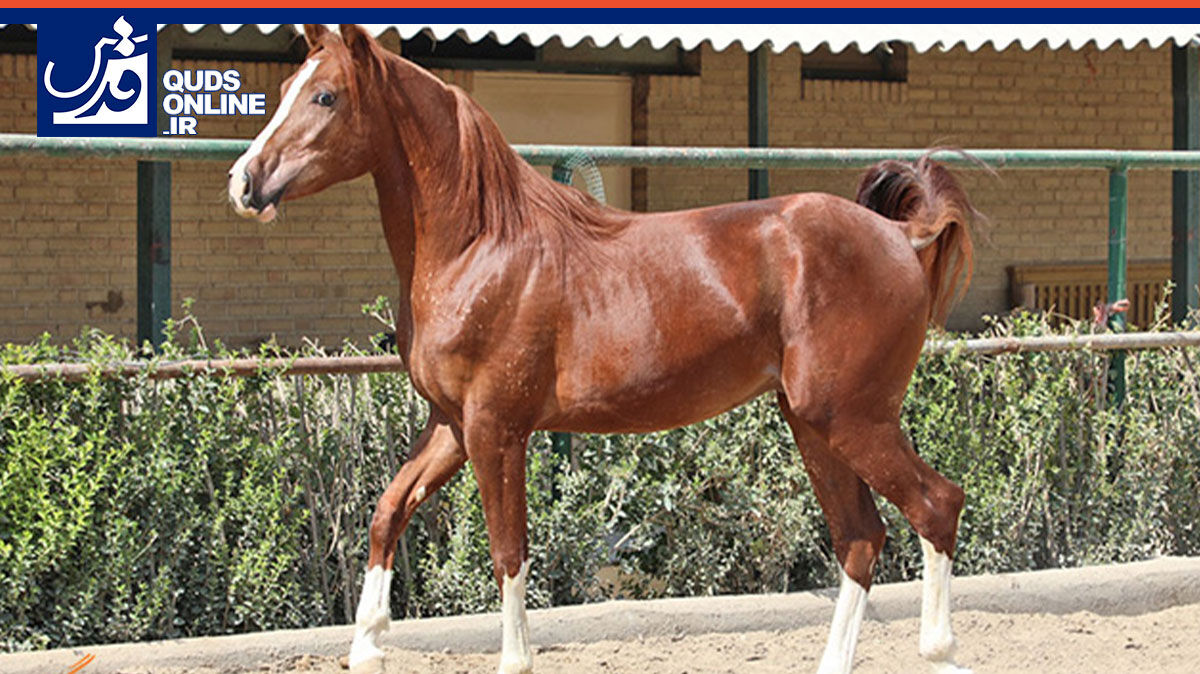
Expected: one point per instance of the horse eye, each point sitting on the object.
(324, 98)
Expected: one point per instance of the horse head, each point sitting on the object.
(321, 132)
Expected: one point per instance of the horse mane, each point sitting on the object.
(510, 198)
(500, 196)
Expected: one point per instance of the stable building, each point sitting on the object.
(69, 227)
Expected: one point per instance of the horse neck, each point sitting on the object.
(396, 212)
(422, 153)
(418, 147)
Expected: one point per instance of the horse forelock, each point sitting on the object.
(354, 73)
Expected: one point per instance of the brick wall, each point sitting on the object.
(67, 226)
(1038, 99)
(66, 229)
(67, 237)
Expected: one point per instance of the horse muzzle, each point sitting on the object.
(249, 200)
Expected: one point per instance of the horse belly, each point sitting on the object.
(594, 399)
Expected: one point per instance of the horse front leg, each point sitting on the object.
(497, 454)
(436, 457)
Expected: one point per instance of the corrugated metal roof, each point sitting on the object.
(808, 37)
(780, 37)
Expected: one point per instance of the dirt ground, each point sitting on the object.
(1165, 641)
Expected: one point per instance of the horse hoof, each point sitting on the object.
(949, 668)
(372, 666)
(515, 668)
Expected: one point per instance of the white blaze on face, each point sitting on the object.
(937, 639)
(843, 632)
(515, 656)
(237, 180)
(372, 618)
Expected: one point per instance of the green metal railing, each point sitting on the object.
(163, 149)
(1117, 162)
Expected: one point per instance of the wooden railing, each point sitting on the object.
(1070, 289)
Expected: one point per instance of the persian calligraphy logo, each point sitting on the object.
(111, 94)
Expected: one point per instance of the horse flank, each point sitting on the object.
(936, 213)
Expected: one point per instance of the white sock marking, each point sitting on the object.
(372, 617)
(515, 656)
(937, 639)
(237, 184)
(843, 632)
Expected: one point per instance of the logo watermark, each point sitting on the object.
(206, 92)
(97, 76)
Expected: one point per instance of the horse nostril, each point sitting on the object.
(246, 189)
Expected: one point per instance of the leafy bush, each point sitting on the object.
(136, 509)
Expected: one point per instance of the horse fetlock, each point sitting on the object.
(366, 657)
(937, 645)
(938, 650)
(370, 666)
(516, 666)
(829, 666)
(375, 621)
(948, 668)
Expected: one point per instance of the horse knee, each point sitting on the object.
(382, 521)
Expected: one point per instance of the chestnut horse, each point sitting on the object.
(527, 305)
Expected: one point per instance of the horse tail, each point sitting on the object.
(926, 199)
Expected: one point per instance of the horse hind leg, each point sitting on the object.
(437, 456)
(878, 452)
(856, 530)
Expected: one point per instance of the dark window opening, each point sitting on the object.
(15, 38)
(885, 63)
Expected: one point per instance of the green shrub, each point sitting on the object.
(137, 509)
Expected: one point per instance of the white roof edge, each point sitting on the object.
(782, 37)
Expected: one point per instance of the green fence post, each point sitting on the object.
(756, 106)
(154, 228)
(560, 443)
(153, 250)
(1118, 199)
(1185, 185)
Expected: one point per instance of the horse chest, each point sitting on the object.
(504, 364)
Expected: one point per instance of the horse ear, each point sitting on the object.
(357, 39)
(313, 33)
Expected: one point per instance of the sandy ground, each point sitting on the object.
(1166, 641)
